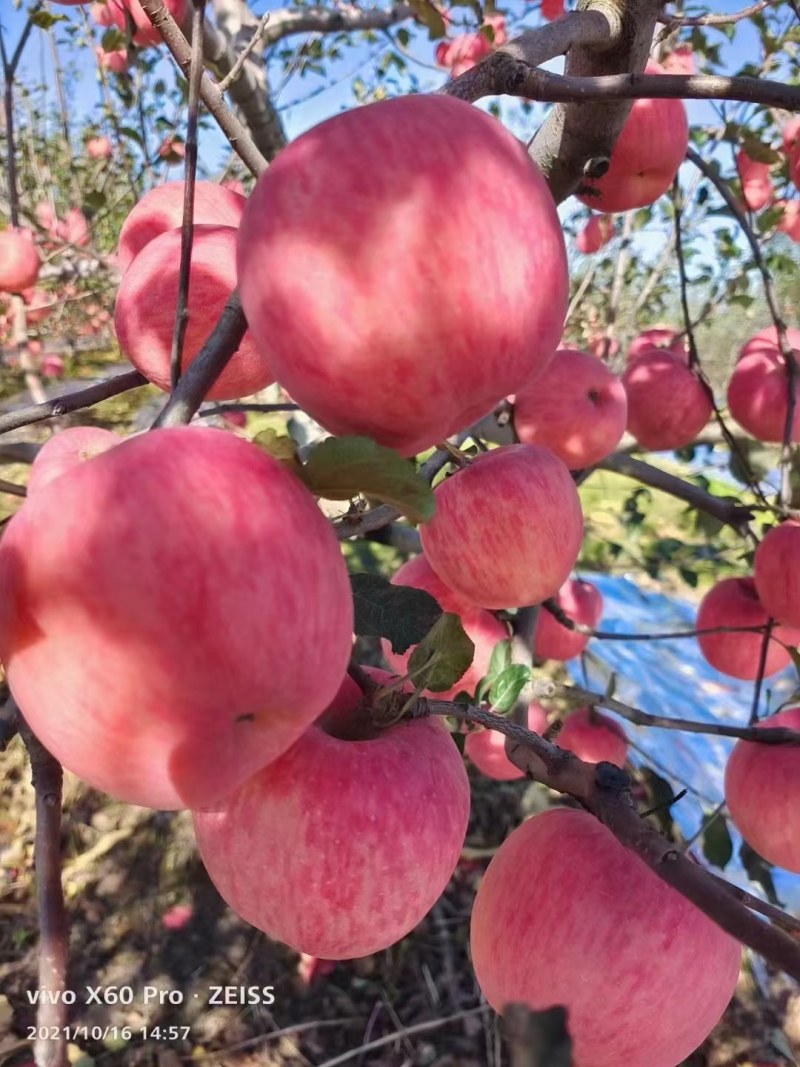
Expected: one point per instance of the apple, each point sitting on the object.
(340, 847)
(645, 158)
(119, 12)
(45, 215)
(147, 302)
(65, 450)
(161, 209)
(463, 52)
(53, 366)
(756, 181)
(567, 915)
(758, 391)
(419, 574)
(668, 405)
(583, 603)
(484, 630)
(734, 602)
(659, 337)
(507, 528)
(593, 737)
(116, 60)
(762, 791)
(791, 146)
(597, 232)
(576, 408)
(487, 748)
(99, 148)
(38, 305)
(790, 220)
(382, 274)
(19, 260)
(552, 9)
(172, 149)
(681, 60)
(174, 613)
(777, 573)
(74, 228)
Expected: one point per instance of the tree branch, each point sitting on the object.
(675, 21)
(64, 405)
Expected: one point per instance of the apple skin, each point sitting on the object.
(594, 737)
(116, 12)
(583, 603)
(756, 181)
(777, 573)
(668, 405)
(340, 847)
(507, 529)
(418, 574)
(147, 302)
(577, 408)
(66, 450)
(19, 260)
(734, 602)
(659, 337)
(758, 392)
(161, 209)
(645, 158)
(381, 271)
(166, 632)
(594, 919)
(596, 234)
(483, 629)
(487, 748)
(790, 221)
(681, 60)
(99, 148)
(116, 60)
(762, 791)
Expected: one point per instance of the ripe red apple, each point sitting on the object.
(117, 12)
(74, 228)
(161, 209)
(583, 603)
(758, 392)
(791, 147)
(464, 51)
(116, 60)
(419, 574)
(53, 366)
(594, 919)
(597, 232)
(487, 748)
(417, 204)
(66, 450)
(38, 305)
(483, 629)
(19, 260)
(659, 337)
(594, 737)
(646, 156)
(577, 408)
(99, 148)
(681, 60)
(734, 602)
(790, 220)
(147, 302)
(668, 405)
(756, 181)
(552, 9)
(172, 149)
(166, 631)
(340, 847)
(762, 791)
(507, 528)
(777, 573)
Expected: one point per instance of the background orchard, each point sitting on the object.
(659, 452)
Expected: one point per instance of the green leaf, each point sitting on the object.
(660, 796)
(443, 656)
(44, 20)
(281, 447)
(758, 870)
(689, 577)
(758, 151)
(94, 200)
(506, 689)
(429, 16)
(717, 843)
(112, 40)
(340, 468)
(499, 660)
(399, 613)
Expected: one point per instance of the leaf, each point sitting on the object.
(340, 468)
(660, 795)
(499, 660)
(94, 200)
(758, 151)
(280, 446)
(442, 657)
(112, 40)
(506, 689)
(44, 20)
(429, 16)
(717, 843)
(758, 870)
(689, 577)
(399, 613)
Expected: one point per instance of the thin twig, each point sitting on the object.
(617, 284)
(398, 1035)
(223, 409)
(64, 405)
(762, 667)
(237, 67)
(675, 21)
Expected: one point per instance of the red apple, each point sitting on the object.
(756, 181)
(46, 216)
(487, 748)
(507, 528)
(147, 302)
(597, 232)
(777, 573)
(583, 603)
(790, 220)
(347, 227)
(66, 450)
(646, 156)
(597, 931)
(734, 602)
(165, 631)
(552, 9)
(791, 146)
(99, 148)
(419, 574)
(340, 847)
(659, 337)
(161, 209)
(758, 392)
(119, 12)
(594, 738)
(38, 305)
(668, 405)
(74, 228)
(762, 791)
(172, 149)
(681, 60)
(53, 366)
(19, 260)
(577, 408)
(116, 60)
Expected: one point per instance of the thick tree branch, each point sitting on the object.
(315, 19)
(64, 405)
